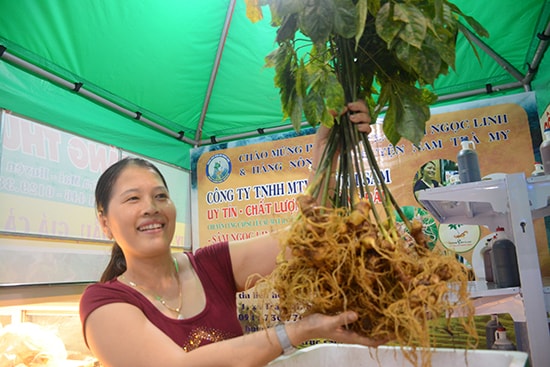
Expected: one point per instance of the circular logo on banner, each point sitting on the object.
(459, 237)
(218, 168)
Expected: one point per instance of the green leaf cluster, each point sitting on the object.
(385, 52)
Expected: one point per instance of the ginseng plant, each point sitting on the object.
(348, 253)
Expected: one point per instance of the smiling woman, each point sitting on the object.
(154, 305)
(427, 177)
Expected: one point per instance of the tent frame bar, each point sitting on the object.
(489, 88)
(544, 39)
(214, 73)
(282, 128)
(78, 88)
(516, 74)
(525, 80)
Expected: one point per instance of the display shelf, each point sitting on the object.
(511, 202)
(482, 288)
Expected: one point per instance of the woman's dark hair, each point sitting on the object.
(103, 194)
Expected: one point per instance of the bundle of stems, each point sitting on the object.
(351, 145)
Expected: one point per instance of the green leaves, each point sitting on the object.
(405, 21)
(397, 47)
(407, 113)
(286, 70)
(322, 18)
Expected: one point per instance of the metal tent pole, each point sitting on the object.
(544, 38)
(495, 56)
(215, 139)
(79, 89)
(474, 92)
(219, 52)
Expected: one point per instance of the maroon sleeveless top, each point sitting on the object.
(217, 321)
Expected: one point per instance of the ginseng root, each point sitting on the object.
(344, 260)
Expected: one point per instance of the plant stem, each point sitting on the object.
(352, 183)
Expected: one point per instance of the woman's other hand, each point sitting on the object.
(358, 114)
(329, 327)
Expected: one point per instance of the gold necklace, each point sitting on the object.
(160, 298)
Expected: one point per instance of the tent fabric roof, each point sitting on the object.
(196, 68)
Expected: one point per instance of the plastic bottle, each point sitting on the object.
(501, 340)
(468, 164)
(521, 336)
(504, 261)
(490, 329)
(539, 170)
(545, 152)
(487, 263)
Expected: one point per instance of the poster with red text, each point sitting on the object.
(48, 178)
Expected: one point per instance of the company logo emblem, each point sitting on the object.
(459, 237)
(218, 168)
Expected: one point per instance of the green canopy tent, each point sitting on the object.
(160, 77)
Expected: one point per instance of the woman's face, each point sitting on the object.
(140, 216)
(429, 171)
